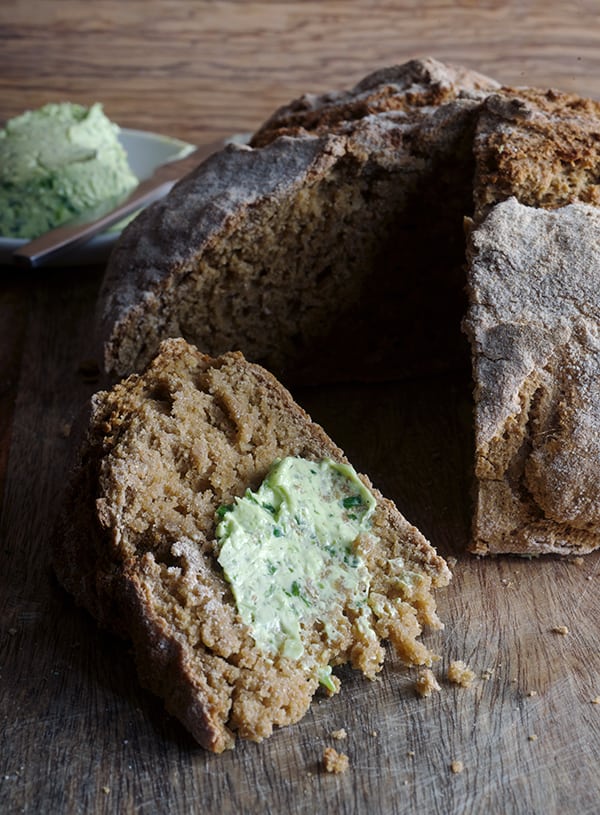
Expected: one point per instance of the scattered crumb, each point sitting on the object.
(457, 766)
(560, 629)
(451, 561)
(487, 674)
(339, 734)
(532, 693)
(334, 762)
(64, 431)
(596, 700)
(577, 561)
(506, 582)
(411, 754)
(460, 674)
(106, 790)
(374, 733)
(426, 683)
(532, 737)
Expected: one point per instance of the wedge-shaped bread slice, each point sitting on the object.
(533, 322)
(166, 452)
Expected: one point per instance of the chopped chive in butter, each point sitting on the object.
(298, 569)
(223, 509)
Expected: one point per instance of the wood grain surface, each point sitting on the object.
(78, 734)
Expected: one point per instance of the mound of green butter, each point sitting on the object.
(56, 163)
(289, 550)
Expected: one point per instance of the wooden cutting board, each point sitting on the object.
(80, 735)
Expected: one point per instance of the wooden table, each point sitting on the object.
(78, 735)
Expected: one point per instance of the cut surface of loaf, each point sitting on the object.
(137, 545)
(334, 247)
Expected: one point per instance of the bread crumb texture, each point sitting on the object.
(459, 673)
(136, 545)
(457, 766)
(334, 762)
(339, 734)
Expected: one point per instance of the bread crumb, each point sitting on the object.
(577, 561)
(560, 629)
(460, 674)
(106, 790)
(374, 733)
(487, 674)
(596, 700)
(426, 683)
(457, 766)
(532, 693)
(451, 561)
(335, 762)
(532, 737)
(339, 734)
(411, 754)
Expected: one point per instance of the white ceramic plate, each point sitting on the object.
(145, 151)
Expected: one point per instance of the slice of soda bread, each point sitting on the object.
(168, 455)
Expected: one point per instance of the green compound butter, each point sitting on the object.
(56, 163)
(289, 551)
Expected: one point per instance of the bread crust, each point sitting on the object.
(534, 331)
